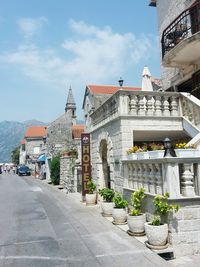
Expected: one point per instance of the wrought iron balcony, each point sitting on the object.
(183, 27)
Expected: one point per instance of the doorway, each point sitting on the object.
(106, 181)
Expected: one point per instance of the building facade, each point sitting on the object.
(179, 31)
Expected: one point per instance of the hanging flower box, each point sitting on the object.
(143, 155)
(187, 153)
(132, 156)
(156, 154)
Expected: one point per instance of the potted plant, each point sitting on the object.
(119, 213)
(136, 218)
(91, 196)
(156, 231)
(107, 204)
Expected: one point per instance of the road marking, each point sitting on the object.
(26, 257)
(135, 251)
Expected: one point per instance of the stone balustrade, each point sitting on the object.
(190, 107)
(137, 103)
(180, 177)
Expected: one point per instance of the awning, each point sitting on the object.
(41, 158)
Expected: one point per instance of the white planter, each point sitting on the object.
(187, 153)
(107, 208)
(91, 199)
(136, 223)
(156, 154)
(142, 155)
(132, 156)
(119, 216)
(156, 235)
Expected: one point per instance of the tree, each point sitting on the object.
(55, 170)
(15, 155)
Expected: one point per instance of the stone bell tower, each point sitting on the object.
(70, 107)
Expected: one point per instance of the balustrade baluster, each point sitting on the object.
(196, 115)
(159, 181)
(166, 111)
(174, 106)
(187, 181)
(133, 105)
(134, 176)
(151, 179)
(140, 176)
(149, 106)
(145, 177)
(130, 176)
(141, 106)
(158, 106)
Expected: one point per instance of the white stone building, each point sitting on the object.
(127, 117)
(32, 146)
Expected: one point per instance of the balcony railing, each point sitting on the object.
(184, 26)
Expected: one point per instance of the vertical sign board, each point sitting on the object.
(86, 167)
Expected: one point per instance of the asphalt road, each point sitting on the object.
(41, 226)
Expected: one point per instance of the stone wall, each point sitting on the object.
(184, 226)
(69, 167)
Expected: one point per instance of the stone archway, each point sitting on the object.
(105, 166)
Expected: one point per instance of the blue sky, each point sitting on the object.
(46, 46)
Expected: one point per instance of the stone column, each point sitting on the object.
(171, 179)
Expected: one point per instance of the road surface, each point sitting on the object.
(41, 226)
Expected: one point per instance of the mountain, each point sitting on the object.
(11, 133)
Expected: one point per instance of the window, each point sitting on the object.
(36, 150)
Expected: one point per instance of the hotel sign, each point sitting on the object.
(86, 164)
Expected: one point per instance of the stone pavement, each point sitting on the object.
(110, 245)
(186, 261)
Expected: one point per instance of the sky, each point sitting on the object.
(48, 46)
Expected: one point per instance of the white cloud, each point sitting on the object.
(92, 55)
(30, 26)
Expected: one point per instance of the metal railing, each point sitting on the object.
(184, 26)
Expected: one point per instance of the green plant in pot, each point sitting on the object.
(91, 196)
(156, 230)
(136, 218)
(107, 203)
(119, 212)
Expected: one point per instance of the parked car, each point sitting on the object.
(24, 170)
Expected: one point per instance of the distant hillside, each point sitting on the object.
(11, 133)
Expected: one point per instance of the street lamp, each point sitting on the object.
(121, 81)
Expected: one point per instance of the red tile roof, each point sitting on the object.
(35, 131)
(23, 142)
(77, 130)
(110, 89)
